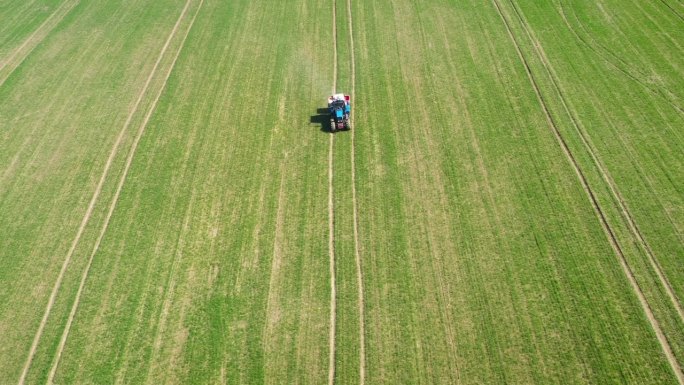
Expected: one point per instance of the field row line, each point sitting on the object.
(355, 211)
(36, 38)
(667, 349)
(331, 219)
(96, 195)
(605, 175)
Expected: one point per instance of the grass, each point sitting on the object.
(636, 191)
(191, 165)
(51, 164)
(483, 258)
(21, 19)
(496, 223)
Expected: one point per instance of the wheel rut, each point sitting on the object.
(355, 219)
(662, 339)
(95, 197)
(331, 219)
(355, 210)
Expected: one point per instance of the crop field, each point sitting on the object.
(508, 207)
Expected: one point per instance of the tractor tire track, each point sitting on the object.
(331, 218)
(122, 180)
(35, 39)
(333, 285)
(605, 175)
(665, 345)
(96, 195)
(355, 211)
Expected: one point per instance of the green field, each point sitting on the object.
(507, 208)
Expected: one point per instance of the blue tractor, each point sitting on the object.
(339, 108)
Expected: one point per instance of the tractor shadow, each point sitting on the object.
(321, 118)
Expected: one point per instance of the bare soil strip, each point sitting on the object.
(122, 179)
(627, 215)
(599, 212)
(357, 252)
(331, 219)
(34, 39)
(96, 195)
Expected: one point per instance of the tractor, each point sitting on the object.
(339, 108)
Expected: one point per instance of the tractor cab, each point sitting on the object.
(338, 104)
